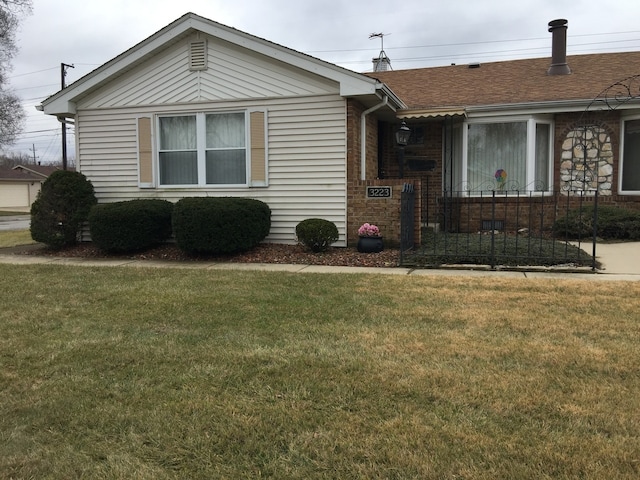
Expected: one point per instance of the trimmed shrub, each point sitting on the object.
(317, 234)
(614, 223)
(220, 225)
(60, 209)
(130, 226)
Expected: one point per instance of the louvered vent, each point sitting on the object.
(198, 55)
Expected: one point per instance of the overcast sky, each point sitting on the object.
(418, 33)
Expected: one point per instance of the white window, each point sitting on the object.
(202, 149)
(506, 155)
(630, 165)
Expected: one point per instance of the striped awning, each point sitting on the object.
(432, 113)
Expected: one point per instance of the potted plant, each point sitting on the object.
(370, 240)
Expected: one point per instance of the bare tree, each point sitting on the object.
(11, 160)
(11, 111)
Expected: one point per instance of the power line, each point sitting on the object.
(440, 45)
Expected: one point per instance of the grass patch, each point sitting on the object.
(163, 374)
(4, 213)
(506, 250)
(13, 238)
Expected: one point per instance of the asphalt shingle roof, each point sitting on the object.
(509, 82)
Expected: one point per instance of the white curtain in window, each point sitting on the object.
(225, 130)
(226, 151)
(178, 133)
(496, 146)
(631, 157)
(178, 155)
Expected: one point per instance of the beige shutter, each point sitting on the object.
(258, 150)
(145, 153)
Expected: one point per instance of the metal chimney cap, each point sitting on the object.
(560, 22)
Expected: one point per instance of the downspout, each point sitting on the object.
(363, 135)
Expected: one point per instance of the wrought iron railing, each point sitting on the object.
(503, 229)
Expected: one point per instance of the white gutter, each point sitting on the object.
(363, 135)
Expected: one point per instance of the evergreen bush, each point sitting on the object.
(60, 209)
(317, 233)
(614, 223)
(220, 225)
(131, 225)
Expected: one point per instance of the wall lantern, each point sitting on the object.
(402, 139)
(403, 134)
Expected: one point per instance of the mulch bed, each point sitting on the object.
(263, 253)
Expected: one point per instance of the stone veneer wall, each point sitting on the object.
(590, 174)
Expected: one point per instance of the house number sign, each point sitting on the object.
(379, 192)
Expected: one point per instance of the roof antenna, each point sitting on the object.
(382, 63)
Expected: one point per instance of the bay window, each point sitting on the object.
(202, 149)
(630, 167)
(506, 155)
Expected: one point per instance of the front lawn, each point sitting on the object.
(154, 373)
(14, 238)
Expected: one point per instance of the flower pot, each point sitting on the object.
(370, 244)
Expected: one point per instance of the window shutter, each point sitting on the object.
(145, 153)
(257, 127)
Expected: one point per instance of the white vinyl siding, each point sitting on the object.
(306, 142)
(232, 74)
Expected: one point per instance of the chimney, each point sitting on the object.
(559, 66)
(382, 63)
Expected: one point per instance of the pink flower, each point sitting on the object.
(368, 230)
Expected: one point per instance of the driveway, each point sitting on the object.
(15, 222)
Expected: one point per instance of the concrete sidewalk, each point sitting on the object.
(621, 262)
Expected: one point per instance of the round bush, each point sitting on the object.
(130, 226)
(317, 234)
(60, 209)
(220, 225)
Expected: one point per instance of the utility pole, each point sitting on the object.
(63, 74)
(33, 145)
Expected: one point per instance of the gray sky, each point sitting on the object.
(419, 33)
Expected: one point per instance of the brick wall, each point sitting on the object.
(383, 212)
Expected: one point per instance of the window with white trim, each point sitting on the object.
(505, 154)
(203, 149)
(630, 164)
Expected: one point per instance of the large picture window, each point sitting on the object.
(506, 156)
(203, 149)
(630, 169)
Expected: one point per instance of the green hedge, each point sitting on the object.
(317, 233)
(130, 226)
(614, 223)
(60, 209)
(220, 225)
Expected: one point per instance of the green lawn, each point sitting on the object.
(176, 373)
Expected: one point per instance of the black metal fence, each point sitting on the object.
(501, 229)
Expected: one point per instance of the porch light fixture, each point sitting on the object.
(403, 134)
(402, 139)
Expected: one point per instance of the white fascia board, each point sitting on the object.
(63, 102)
(538, 108)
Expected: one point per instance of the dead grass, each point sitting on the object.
(162, 373)
(14, 238)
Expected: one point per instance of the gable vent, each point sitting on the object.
(198, 55)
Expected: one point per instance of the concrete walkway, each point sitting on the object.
(621, 262)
